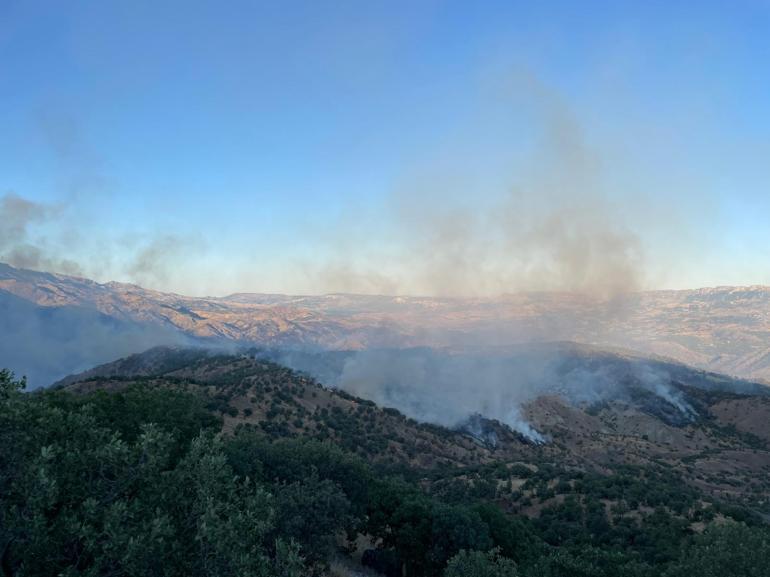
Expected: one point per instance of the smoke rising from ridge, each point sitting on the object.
(33, 234)
(55, 236)
(552, 227)
(549, 226)
(540, 217)
(451, 388)
(154, 260)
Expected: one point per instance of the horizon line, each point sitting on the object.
(586, 294)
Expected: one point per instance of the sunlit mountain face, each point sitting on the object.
(725, 329)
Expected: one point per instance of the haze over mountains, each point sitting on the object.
(724, 329)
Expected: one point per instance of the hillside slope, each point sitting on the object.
(721, 451)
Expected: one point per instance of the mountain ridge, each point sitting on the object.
(722, 329)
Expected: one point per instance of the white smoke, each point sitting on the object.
(453, 390)
(441, 389)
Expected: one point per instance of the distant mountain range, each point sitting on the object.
(73, 323)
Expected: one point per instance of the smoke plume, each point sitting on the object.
(19, 246)
(552, 227)
(156, 259)
(451, 388)
(37, 236)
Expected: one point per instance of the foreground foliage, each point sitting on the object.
(140, 482)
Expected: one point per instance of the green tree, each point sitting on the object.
(732, 550)
(84, 491)
(312, 512)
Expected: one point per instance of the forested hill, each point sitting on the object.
(721, 448)
(126, 471)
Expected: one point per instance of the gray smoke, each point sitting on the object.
(50, 237)
(450, 389)
(20, 246)
(657, 381)
(33, 235)
(441, 389)
(48, 343)
(552, 227)
(154, 261)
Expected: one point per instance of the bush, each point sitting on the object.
(480, 564)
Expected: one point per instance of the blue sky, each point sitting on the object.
(211, 147)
